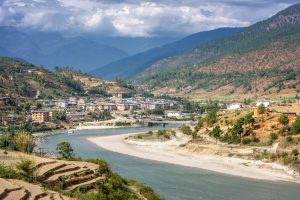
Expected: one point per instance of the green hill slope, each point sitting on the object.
(262, 59)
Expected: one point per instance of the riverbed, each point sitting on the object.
(171, 181)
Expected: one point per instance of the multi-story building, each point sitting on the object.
(39, 116)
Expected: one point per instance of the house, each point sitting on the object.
(121, 94)
(234, 106)
(122, 106)
(173, 113)
(91, 107)
(109, 106)
(264, 103)
(62, 104)
(81, 104)
(73, 100)
(294, 114)
(4, 100)
(40, 116)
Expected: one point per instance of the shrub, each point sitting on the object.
(295, 129)
(186, 129)
(273, 136)
(24, 142)
(295, 152)
(246, 141)
(104, 167)
(289, 139)
(8, 172)
(26, 168)
(122, 124)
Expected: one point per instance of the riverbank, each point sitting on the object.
(170, 153)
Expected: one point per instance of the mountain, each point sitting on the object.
(262, 59)
(22, 79)
(52, 49)
(133, 45)
(132, 65)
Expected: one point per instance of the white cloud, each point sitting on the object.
(135, 18)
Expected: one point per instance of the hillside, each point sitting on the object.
(19, 79)
(22, 79)
(51, 49)
(132, 65)
(63, 180)
(263, 59)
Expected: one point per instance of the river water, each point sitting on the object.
(171, 181)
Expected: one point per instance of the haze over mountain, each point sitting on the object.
(261, 59)
(132, 65)
(52, 49)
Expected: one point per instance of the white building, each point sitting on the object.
(234, 106)
(264, 103)
(62, 104)
(173, 113)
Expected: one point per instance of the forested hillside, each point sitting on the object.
(263, 59)
(22, 79)
(132, 65)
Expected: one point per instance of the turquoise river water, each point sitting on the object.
(171, 181)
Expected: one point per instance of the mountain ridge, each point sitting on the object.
(266, 52)
(132, 65)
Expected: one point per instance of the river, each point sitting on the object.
(171, 181)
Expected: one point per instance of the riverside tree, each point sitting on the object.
(65, 150)
(216, 133)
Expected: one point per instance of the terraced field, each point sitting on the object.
(52, 174)
(12, 189)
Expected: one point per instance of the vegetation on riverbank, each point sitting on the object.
(160, 135)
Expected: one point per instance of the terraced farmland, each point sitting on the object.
(51, 174)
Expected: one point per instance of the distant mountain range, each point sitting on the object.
(262, 59)
(84, 53)
(132, 65)
(51, 49)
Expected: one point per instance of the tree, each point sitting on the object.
(24, 142)
(216, 133)
(39, 105)
(59, 115)
(211, 117)
(261, 110)
(284, 120)
(295, 129)
(27, 106)
(238, 128)
(198, 126)
(65, 150)
(248, 120)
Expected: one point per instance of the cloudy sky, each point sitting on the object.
(136, 18)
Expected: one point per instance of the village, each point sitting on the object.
(128, 110)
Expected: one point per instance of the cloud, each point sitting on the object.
(136, 18)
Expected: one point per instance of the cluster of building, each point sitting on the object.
(77, 107)
(236, 106)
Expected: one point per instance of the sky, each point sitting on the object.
(132, 18)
